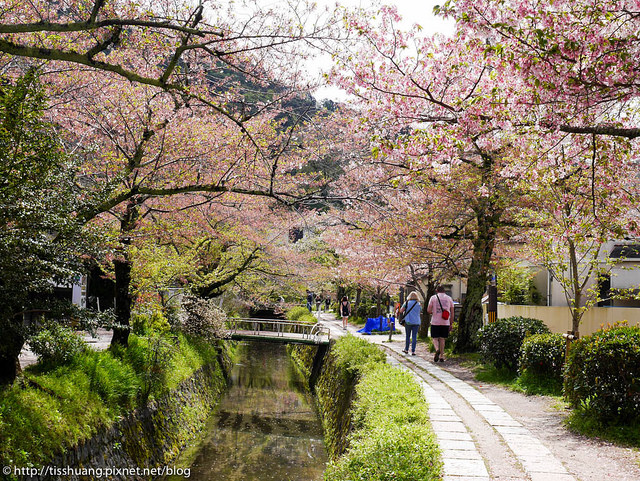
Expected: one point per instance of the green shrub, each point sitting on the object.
(56, 344)
(366, 308)
(602, 375)
(296, 313)
(543, 354)
(500, 341)
(144, 322)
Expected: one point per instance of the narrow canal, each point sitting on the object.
(266, 426)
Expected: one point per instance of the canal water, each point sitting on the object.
(266, 427)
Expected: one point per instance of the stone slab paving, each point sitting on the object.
(461, 458)
(534, 457)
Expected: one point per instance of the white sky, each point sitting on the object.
(412, 12)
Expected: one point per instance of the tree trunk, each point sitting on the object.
(471, 316)
(122, 269)
(423, 331)
(340, 293)
(576, 313)
(12, 342)
(123, 302)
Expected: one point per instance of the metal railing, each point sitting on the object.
(280, 328)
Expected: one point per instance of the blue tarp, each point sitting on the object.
(376, 324)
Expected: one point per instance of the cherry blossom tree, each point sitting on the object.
(581, 200)
(440, 118)
(169, 101)
(578, 58)
(463, 111)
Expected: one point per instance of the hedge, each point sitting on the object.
(603, 374)
(543, 355)
(500, 341)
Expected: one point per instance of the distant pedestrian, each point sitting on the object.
(345, 311)
(309, 300)
(318, 303)
(441, 309)
(327, 303)
(411, 315)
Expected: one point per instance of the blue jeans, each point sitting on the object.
(411, 331)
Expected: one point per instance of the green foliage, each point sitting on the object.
(366, 309)
(115, 382)
(392, 439)
(500, 341)
(188, 355)
(543, 355)
(297, 312)
(146, 322)
(354, 353)
(308, 318)
(42, 241)
(527, 382)
(151, 358)
(496, 375)
(46, 412)
(51, 409)
(56, 344)
(602, 375)
(515, 286)
(534, 384)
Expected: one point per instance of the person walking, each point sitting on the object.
(411, 315)
(441, 309)
(309, 300)
(345, 311)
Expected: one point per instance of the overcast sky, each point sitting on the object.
(412, 12)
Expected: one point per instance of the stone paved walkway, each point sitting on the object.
(477, 437)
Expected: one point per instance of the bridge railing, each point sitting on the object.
(279, 328)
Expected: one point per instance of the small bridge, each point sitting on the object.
(278, 330)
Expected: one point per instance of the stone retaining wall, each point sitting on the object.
(334, 392)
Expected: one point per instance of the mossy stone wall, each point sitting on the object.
(334, 392)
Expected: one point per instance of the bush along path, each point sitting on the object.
(480, 439)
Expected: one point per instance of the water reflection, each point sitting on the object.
(266, 427)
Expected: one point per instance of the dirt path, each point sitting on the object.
(587, 459)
